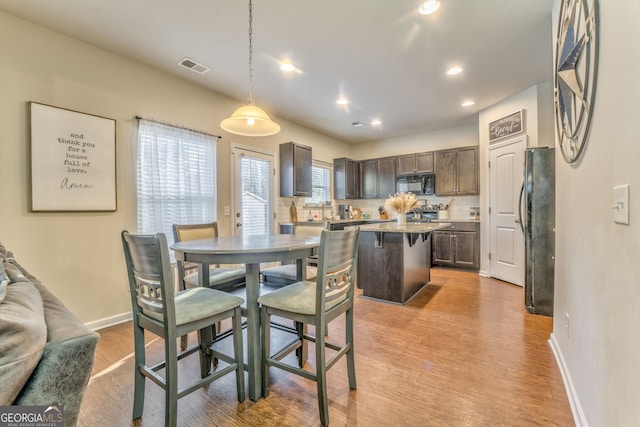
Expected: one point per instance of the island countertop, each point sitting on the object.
(410, 227)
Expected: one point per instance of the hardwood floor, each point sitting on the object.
(463, 352)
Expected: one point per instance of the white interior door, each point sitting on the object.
(507, 240)
(253, 192)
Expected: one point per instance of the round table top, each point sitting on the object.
(247, 244)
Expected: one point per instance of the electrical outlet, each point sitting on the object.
(566, 323)
(621, 204)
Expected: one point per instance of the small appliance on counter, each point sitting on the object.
(383, 213)
(344, 211)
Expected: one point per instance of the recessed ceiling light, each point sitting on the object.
(454, 70)
(376, 122)
(429, 7)
(342, 101)
(287, 67)
(468, 103)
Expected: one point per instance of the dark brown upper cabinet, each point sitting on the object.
(457, 171)
(377, 178)
(416, 163)
(295, 170)
(345, 178)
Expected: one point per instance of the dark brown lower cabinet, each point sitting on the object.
(393, 266)
(457, 246)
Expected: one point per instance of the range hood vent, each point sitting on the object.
(193, 65)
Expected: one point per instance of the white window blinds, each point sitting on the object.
(176, 177)
(320, 184)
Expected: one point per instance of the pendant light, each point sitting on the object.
(250, 120)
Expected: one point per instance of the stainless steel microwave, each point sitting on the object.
(417, 184)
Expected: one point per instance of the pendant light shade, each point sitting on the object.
(250, 120)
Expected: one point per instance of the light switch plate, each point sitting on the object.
(621, 204)
(227, 210)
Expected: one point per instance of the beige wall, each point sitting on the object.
(429, 141)
(597, 261)
(79, 255)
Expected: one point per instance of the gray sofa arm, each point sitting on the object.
(65, 367)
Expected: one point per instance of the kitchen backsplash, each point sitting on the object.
(459, 209)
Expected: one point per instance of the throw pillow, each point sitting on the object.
(4, 281)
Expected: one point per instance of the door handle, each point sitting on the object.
(238, 224)
(519, 220)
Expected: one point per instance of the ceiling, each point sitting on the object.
(382, 55)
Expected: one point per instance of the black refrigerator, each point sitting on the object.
(538, 217)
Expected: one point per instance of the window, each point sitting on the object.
(320, 184)
(176, 177)
(256, 183)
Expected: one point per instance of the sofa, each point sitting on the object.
(46, 353)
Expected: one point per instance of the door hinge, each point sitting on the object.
(489, 209)
(489, 256)
(489, 164)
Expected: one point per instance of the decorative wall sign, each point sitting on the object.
(73, 160)
(513, 124)
(576, 69)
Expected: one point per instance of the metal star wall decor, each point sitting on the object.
(576, 68)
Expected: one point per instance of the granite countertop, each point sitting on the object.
(410, 227)
(456, 220)
(341, 221)
(384, 221)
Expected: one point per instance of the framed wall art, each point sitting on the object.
(73, 160)
(513, 124)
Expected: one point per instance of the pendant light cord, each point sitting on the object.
(251, 53)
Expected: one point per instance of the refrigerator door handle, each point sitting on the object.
(520, 208)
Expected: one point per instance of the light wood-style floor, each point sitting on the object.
(464, 352)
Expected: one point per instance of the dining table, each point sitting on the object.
(250, 250)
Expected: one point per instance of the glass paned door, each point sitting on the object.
(253, 192)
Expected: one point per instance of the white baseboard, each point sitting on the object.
(574, 402)
(109, 321)
(483, 273)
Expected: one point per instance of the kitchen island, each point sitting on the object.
(394, 261)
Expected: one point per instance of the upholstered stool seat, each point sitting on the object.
(220, 277)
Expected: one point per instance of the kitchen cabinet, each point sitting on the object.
(415, 163)
(295, 170)
(457, 171)
(457, 246)
(377, 178)
(345, 178)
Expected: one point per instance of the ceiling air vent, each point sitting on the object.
(193, 65)
(357, 124)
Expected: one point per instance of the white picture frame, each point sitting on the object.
(73, 160)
